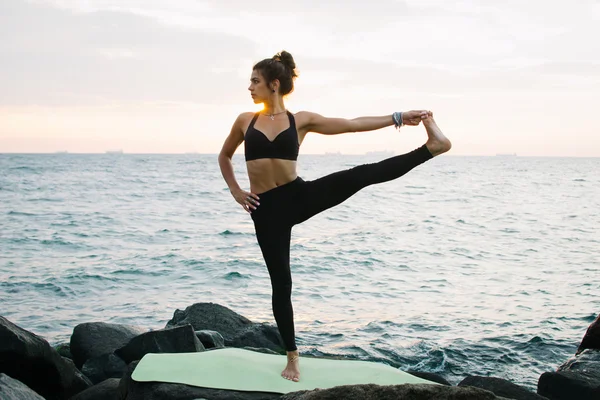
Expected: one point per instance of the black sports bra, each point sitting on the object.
(285, 145)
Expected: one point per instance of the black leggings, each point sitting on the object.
(292, 203)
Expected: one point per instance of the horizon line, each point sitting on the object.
(116, 154)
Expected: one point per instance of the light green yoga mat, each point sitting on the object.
(245, 370)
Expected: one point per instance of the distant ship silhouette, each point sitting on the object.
(114, 151)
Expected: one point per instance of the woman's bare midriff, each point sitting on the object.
(268, 173)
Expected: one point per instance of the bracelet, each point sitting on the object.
(397, 117)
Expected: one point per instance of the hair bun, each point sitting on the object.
(286, 58)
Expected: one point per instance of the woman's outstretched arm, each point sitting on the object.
(332, 126)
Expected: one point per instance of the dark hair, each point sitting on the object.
(281, 67)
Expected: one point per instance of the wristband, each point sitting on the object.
(397, 117)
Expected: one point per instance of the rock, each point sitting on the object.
(93, 339)
(501, 387)
(99, 369)
(237, 331)
(591, 339)
(102, 391)
(28, 358)
(578, 378)
(430, 377)
(12, 389)
(211, 339)
(394, 392)
(132, 390)
(64, 349)
(259, 335)
(210, 316)
(181, 339)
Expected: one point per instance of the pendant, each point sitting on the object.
(272, 116)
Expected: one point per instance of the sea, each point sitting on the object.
(482, 266)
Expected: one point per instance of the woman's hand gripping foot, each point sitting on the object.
(292, 369)
(436, 143)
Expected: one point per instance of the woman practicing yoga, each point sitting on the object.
(278, 198)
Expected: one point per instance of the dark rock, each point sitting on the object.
(132, 390)
(29, 358)
(237, 331)
(430, 377)
(578, 378)
(393, 392)
(12, 389)
(501, 387)
(99, 369)
(210, 316)
(258, 335)
(211, 339)
(76, 372)
(64, 349)
(106, 390)
(181, 339)
(93, 339)
(591, 339)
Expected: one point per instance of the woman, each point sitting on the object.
(278, 199)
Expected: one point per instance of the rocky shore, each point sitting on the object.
(98, 362)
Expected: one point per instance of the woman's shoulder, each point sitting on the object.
(246, 115)
(303, 116)
(244, 118)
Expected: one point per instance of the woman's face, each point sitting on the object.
(259, 89)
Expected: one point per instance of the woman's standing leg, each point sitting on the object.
(274, 241)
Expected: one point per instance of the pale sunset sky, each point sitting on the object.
(160, 76)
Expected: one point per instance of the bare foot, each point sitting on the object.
(292, 369)
(437, 143)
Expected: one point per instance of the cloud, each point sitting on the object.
(113, 55)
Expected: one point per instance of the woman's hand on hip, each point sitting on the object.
(248, 200)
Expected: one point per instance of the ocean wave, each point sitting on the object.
(20, 287)
(22, 214)
(46, 200)
(235, 275)
(227, 232)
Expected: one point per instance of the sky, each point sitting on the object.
(160, 76)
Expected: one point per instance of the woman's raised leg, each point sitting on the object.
(333, 189)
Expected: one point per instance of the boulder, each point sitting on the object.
(93, 339)
(211, 339)
(64, 349)
(102, 391)
(237, 330)
(99, 369)
(210, 316)
(132, 390)
(30, 359)
(394, 392)
(12, 389)
(181, 339)
(591, 339)
(501, 387)
(578, 378)
(258, 335)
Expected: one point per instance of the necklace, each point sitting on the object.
(272, 116)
